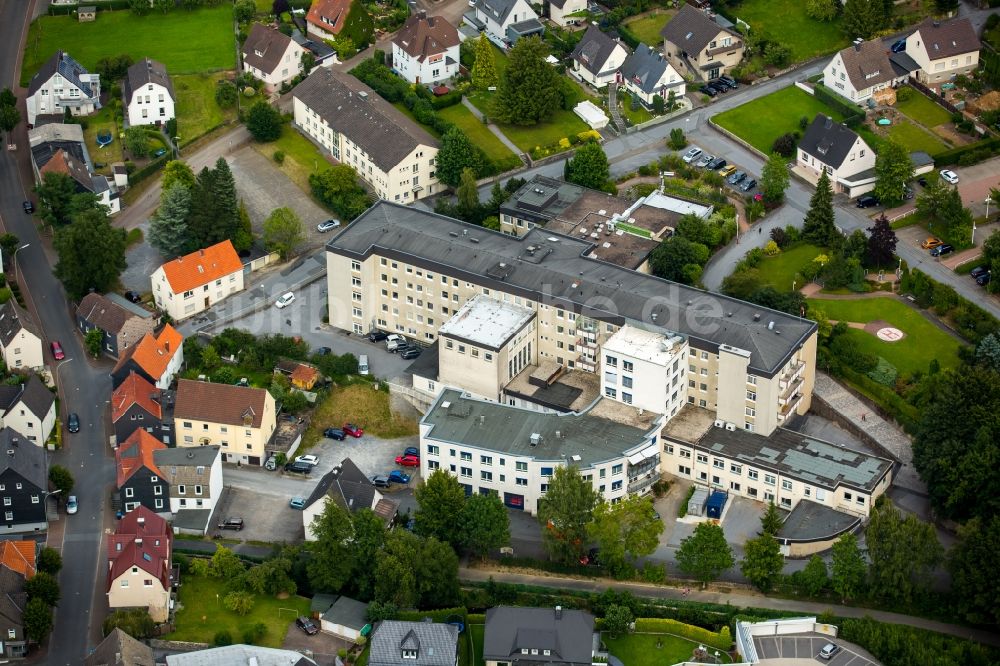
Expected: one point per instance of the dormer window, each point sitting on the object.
(547, 652)
(534, 651)
(524, 650)
(258, 53)
(409, 654)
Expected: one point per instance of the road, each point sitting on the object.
(83, 388)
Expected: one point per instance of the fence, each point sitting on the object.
(934, 96)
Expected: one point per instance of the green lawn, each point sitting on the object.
(913, 138)
(203, 614)
(477, 633)
(564, 124)
(302, 157)
(923, 110)
(647, 28)
(197, 111)
(100, 121)
(479, 133)
(787, 22)
(782, 269)
(640, 115)
(187, 42)
(641, 650)
(923, 340)
(766, 118)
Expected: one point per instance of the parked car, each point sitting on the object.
(380, 481)
(721, 85)
(866, 201)
(829, 650)
(978, 270)
(308, 459)
(410, 353)
(949, 176)
(28, 207)
(706, 90)
(298, 467)
(297, 503)
(271, 463)
(408, 461)
(334, 433)
(729, 81)
(705, 161)
(231, 524)
(899, 46)
(748, 184)
(691, 155)
(73, 422)
(353, 430)
(57, 350)
(397, 476)
(323, 351)
(716, 164)
(394, 342)
(306, 625)
(377, 335)
(285, 300)
(133, 296)
(411, 451)
(931, 243)
(727, 170)
(737, 178)
(942, 250)
(984, 279)
(72, 506)
(329, 225)
(922, 181)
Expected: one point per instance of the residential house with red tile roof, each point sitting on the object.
(138, 478)
(157, 359)
(138, 405)
(139, 569)
(240, 419)
(187, 285)
(326, 18)
(121, 327)
(17, 566)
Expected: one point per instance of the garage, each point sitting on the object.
(345, 618)
(514, 501)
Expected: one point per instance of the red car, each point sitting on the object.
(57, 351)
(353, 430)
(408, 461)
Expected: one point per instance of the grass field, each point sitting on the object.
(641, 649)
(640, 115)
(647, 28)
(913, 138)
(477, 633)
(363, 405)
(923, 110)
(477, 132)
(923, 340)
(187, 42)
(787, 22)
(97, 123)
(203, 614)
(302, 157)
(766, 118)
(197, 111)
(563, 124)
(781, 270)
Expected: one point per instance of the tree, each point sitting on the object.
(456, 154)
(137, 141)
(61, 478)
(94, 342)
(440, 501)
(369, 539)
(893, 170)
(785, 144)
(705, 554)
(860, 18)
(168, 229)
(283, 232)
(484, 70)
(226, 564)
(226, 94)
(414, 571)
(529, 90)
(485, 525)
(332, 561)
(114, 68)
(467, 194)
(814, 577)
(9, 118)
(55, 197)
(819, 226)
(774, 179)
(762, 562)
(565, 512)
(625, 531)
(37, 618)
(678, 259)
(848, 567)
(43, 586)
(215, 210)
(588, 167)
(973, 563)
(771, 520)
(177, 172)
(617, 619)
(902, 552)
(49, 560)
(263, 122)
(881, 242)
(244, 10)
(338, 187)
(677, 140)
(988, 351)
(7, 97)
(239, 602)
(91, 254)
(822, 10)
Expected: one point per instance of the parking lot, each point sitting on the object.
(807, 646)
(322, 646)
(718, 163)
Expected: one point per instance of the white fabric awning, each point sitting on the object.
(651, 451)
(636, 458)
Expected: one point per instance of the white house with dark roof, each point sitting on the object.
(699, 46)
(647, 73)
(425, 50)
(30, 409)
(862, 70)
(561, 12)
(837, 149)
(20, 338)
(271, 56)
(348, 487)
(506, 21)
(417, 643)
(63, 83)
(539, 635)
(943, 50)
(598, 57)
(148, 93)
(354, 125)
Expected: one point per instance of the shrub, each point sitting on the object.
(279, 156)
(884, 373)
(784, 145)
(222, 638)
(904, 94)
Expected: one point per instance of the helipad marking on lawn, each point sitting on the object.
(890, 334)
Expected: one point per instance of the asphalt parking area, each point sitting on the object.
(807, 646)
(741, 521)
(322, 646)
(266, 517)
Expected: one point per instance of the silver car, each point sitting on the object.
(705, 161)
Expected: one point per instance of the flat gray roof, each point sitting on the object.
(192, 519)
(487, 322)
(552, 269)
(496, 427)
(812, 521)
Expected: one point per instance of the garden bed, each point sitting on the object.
(654, 649)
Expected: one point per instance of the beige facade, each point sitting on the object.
(723, 52)
(23, 351)
(239, 442)
(137, 588)
(561, 13)
(942, 70)
(943, 50)
(189, 302)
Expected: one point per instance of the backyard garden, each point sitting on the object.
(646, 27)
(804, 36)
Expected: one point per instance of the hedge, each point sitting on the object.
(476, 618)
(852, 114)
(657, 625)
(145, 172)
(628, 36)
(972, 153)
(439, 615)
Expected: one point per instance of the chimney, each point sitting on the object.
(201, 253)
(166, 345)
(558, 612)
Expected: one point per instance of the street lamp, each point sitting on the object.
(177, 147)
(14, 259)
(988, 200)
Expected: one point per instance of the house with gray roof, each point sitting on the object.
(647, 73)
(46, 140)
(699, 46)
(12, 602)
(345, 618)
(63, 83)
(349, 488)
(30, 409)
(148, 93)
(120, 649)
(539, 635)
(272, 56)
(506, 21)
(59, 148)
(598, 57)
(837, 149)
(233, 655)
(121, 327)
(20, 338)
(194, 475)
(563, 12)
(352, 124)
(24, 477)
(394, 643)
(864, 71)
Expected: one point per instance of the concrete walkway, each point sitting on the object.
(493, 128)
(887, 434)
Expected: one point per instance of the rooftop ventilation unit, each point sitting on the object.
(730, 427)
(719, 423)
(535, 439)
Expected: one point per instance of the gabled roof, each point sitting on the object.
(120, 649)
(304, 374)
(567, 634)
(944, 40)
(350, 107)
(135, 453)
(329, 15)
(135, 390)
(33, 394)
(594, 49)
(867, 64)
(19, 556)
(14, 319)
(153, 354)
(20, 455)
(692, 30)
(144, 72)
(646, 68)
(436, 643)
(348, 613)
(202, 267)
(220, 403)
(347, 486)
(102, 313)
(244, 655)
(141, 540)
(422, 36)
(497, 10)
(828, 141)
(264, 48)
(12, 602)
(64, 162)
(68, 68)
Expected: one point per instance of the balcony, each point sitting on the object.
(586, 363)
(794, 371)
(786, 409)
(640, 485)
(789, 389)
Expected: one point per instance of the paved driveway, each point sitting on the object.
(323, 647)
(266, 515)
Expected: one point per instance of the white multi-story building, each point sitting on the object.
(62, 83)
(148, 93)
(425, 50)
(355, 126)
(645, 369)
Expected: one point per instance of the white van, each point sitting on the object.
(363, 364)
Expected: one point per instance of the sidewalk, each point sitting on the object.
(493, 128)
